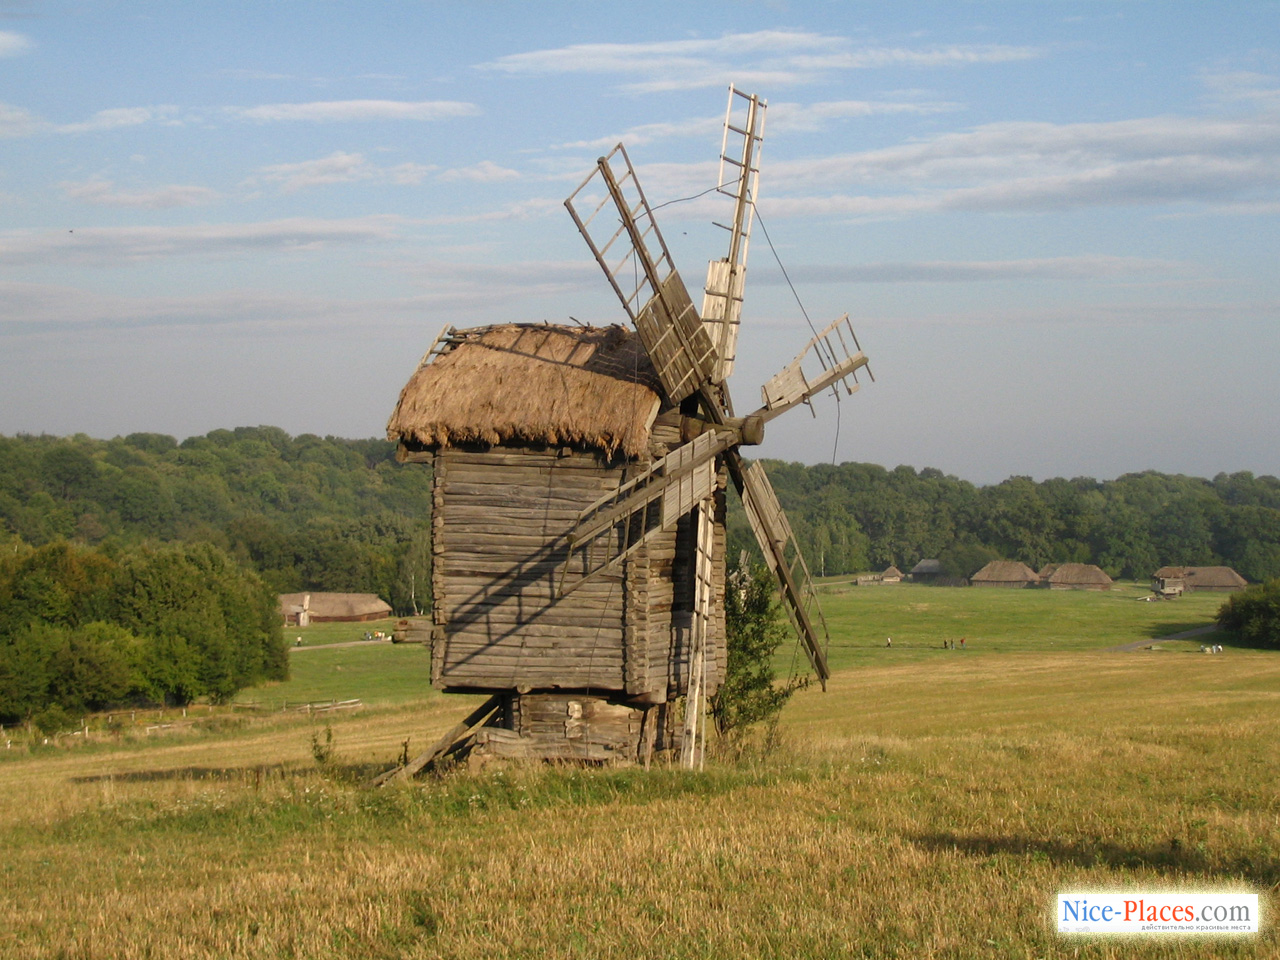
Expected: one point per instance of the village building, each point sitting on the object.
(1005, 573)
(303, 609)
(1075, 576)
(927, 571)
(891, 574)
(1174, 581)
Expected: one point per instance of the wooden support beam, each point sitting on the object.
(441, 746)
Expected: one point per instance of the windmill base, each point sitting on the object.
(575, 726)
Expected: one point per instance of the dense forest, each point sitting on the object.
(302, 512)
(141, 569)
(308, 512)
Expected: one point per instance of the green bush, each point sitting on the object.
(1254, 615)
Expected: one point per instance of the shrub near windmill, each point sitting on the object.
(579, 481)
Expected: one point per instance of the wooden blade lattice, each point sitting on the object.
(739, 178)
(781, 552)
(834, 357)
(630, 249)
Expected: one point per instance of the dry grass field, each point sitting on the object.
(925, 806)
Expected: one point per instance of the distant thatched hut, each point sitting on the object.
(1005, 573)
(301, 609)
(891, 574)
(927, 571)
(1076, 576)
(1172, 581)
(525, 427)
(1047, 571)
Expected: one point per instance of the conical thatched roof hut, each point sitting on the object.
(1077, 576)
(891, 574)
(1005, 573)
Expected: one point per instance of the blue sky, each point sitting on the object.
(1054, 225)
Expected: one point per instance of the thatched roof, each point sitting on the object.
(1005, 571)
(1214, 577)
(891, 571)
(335, 605)
(927, 567)
(526, 383)
(1202, 576)
(1078, 574)
(1048, 570)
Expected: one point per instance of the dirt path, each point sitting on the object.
(1184, 635)
(345, 643)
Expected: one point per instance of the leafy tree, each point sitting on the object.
(750, 691)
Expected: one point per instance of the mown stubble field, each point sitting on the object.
(929, 804)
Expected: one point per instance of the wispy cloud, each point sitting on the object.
(119, 117)
(12, 44)
(329, 111)
(1041, 166)
(1087, 267)
(338, 167)
(485, 171)
(234, 73)
(18, 122)
(104, 193)
(103, 246)
(767, 58)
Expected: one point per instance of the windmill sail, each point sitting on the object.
(739, 178)
(832, 363)
(784, 558)
(635, 258)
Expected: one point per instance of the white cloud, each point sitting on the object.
(105, 246)
(104, 193)
(483, 172)
(118, 117)
(338, 167)
(1038, 166)
(233, 73)
(811, 117)
(356, 110)
(767, 58)
(1087, 267)
(16, 122)
(12, 44)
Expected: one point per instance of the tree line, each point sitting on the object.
(857, 517)
(304, 513)
(325, 513)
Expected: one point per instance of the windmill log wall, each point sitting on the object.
(500, 517)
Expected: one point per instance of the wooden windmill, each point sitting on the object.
(579, 489)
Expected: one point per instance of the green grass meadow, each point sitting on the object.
(930, 804)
